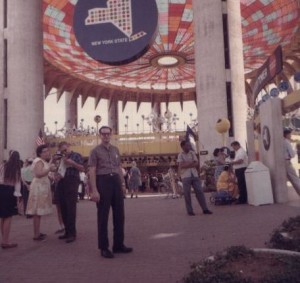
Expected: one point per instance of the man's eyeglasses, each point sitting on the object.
(105, 134)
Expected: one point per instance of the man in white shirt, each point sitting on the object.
(240, 163)
(188, 162)
(289, 153)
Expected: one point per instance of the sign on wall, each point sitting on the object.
(115, 31)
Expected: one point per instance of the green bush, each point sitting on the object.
(286, 269)
(210, 271)
(287, 236)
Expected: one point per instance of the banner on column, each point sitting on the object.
(267, 71)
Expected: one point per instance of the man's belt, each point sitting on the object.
(108, 175)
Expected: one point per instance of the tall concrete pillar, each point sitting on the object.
(238, 92)
(210, 70)
(2, 131)
(71, 111)
(113, 117)
(271, 146)
(25, 75)
(156, 110)
(251, 141)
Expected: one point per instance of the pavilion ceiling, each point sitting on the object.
(265, 25)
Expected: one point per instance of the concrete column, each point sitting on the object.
(71, 111)
(273, 157)
(156, 109)
(238, 92)
(251, 141)
(25, 75)
(113, 117)
(2, 133)
(210, 70)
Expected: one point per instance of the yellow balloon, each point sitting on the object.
(222, 126)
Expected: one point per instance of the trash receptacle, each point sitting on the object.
(258, 182)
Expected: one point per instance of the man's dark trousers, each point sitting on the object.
(68, 196)
(111, 195)
(240, 175)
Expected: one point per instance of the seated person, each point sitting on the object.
(227, 181)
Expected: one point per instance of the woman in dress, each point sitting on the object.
(10, 190)
(40, 198)
(134, 179)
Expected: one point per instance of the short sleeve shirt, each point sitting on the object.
(187, 172)
(240, 154)
(106, 159)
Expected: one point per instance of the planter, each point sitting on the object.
(242, 265)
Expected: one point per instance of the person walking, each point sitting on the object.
(290, 153)
(240, 163)
(188, 163)
(71, 163)
(40, 196)
(10, 190)
(106, 180)
(135, 180)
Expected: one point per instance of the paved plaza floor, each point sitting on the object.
(165, 240)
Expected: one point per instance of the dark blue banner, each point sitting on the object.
(115, 31)
(267, 72)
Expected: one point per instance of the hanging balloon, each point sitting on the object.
(274, 92)
(297, 77)
(222, 125)
(283, 86)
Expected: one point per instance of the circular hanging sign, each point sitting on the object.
(274, 92)
(115, 31)
(283, 86)
(297, 77)
(266, 138)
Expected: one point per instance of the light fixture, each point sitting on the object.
(168, 60)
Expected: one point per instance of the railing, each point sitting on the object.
(130, 144)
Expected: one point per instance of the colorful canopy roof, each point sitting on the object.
(265, 23)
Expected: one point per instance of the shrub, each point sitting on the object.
(287, 236)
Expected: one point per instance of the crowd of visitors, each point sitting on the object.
(62, 180)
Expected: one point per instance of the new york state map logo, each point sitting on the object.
(118, 13)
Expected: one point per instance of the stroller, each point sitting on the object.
(222, 197)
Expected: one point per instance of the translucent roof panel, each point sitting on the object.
(175, 36)
(265, 24)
